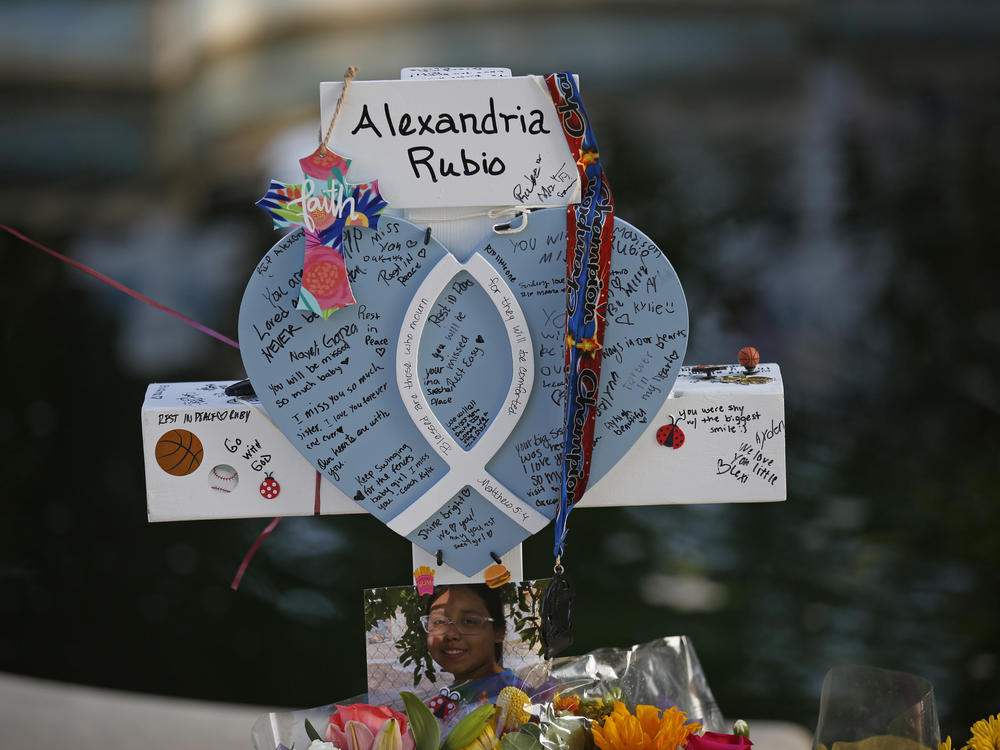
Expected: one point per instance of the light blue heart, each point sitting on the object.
(330, 386)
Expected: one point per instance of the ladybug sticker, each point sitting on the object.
(670, 435)
(269, 488)
(444, 704)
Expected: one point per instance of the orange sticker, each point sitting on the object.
(496, 576)
(749, 357)
(179, 452)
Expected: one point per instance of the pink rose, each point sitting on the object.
(362, 727)
(716, 741)
(371, 716)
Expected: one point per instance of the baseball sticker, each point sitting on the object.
(223, 478)
(179, 452)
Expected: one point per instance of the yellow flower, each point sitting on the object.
(647, 730)
(514, 704)
(946, 745)
(487, 740)
(985, 734)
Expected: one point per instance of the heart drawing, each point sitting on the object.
(436, 402)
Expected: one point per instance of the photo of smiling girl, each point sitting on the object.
(466, 629)
(459, 643)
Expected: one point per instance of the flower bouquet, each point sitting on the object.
(648, 697)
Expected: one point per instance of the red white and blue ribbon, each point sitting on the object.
(589, 226)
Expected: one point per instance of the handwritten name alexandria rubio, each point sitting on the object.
(422, 157)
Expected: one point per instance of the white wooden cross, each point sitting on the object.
(209, 455)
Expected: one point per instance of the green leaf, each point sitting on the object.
(311, 303)
(470, 727)
(412, 644)
(311, 732)
(532, 730)
(520, 740)
(425, 728)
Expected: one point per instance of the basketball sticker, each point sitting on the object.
(179, 452)
(223, 478)
(749, 358)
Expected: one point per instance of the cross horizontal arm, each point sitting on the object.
(731, 427)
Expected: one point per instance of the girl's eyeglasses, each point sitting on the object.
(466, 624)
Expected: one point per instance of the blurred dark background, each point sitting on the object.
(825, 178)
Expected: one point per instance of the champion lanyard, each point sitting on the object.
(589, 227)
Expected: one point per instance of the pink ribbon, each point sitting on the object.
(123, 288)
(194, 324)
(252, 551)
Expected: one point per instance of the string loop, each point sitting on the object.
(348, 77)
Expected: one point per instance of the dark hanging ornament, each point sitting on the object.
(557, 613)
